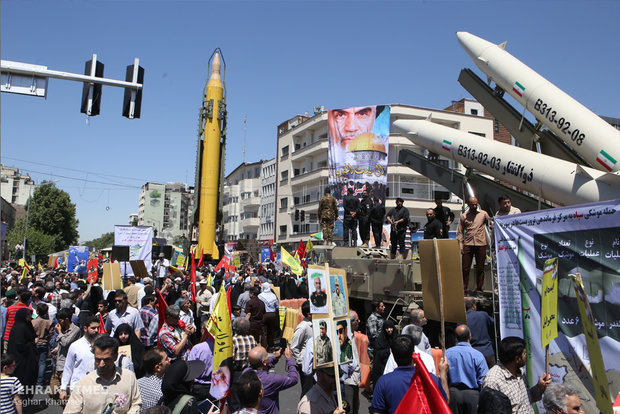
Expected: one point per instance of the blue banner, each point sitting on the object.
(78, 259)
(265, 254)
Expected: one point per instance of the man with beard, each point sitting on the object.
(351, 206)
(376, 216)
(364, 217)
(339, 304)
(346, 351)
(318, 297)
(398, 217)
(507, 376)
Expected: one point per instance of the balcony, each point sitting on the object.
(310, 176)
(250, 223)
(319, 145)
(250, 202)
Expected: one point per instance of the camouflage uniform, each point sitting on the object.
(328, 210)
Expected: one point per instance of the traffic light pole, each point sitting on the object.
(8, 66)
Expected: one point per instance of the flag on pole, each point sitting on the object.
(290, 261)
(25, 270)
(193, 278)
(220, 329)
(101, 325)
(309, 247)
(201, 259)
(423, 395)
(161, 308)
(223, 263)
(317, 236)
(172, 269)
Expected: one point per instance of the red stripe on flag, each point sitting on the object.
(607, 167)
(518, 92)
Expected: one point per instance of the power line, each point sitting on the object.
(76, 170)
(83, 179)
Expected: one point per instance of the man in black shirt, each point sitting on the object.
(445, 216)
(398, 217)
(376, 217)
(433, 229)
(363, 216)
(351, 206)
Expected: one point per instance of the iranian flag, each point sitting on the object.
(606, 160)
(518, 88)
(447, 145)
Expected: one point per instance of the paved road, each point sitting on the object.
(288, 399)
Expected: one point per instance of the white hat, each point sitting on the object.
(203, 282)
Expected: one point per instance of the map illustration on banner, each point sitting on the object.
(358, 153)
(140, 242)
(566, 241)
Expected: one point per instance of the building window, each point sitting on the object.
(285, 151)
(283, 230)
(474, 112)
(284, 202)
(284, 175)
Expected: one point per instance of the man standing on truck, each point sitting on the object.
(328, 210)
(398, 217)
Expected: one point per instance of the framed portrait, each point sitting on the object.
(338, 289)
(317, 290)
(322, 331)
(344, 349)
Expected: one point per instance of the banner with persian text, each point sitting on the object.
(358, 153)
(140, 242)
(585, 240)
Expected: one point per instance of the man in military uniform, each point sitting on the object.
(318, 297)
(339, 305)
(363, 217)
(398, 217)
(351, 206)
(328, 211)
(323, 346)
(346, 350)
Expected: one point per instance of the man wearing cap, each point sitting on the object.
(203, 296)
(106, 384)
(323, 346)
(398, 217)
(339, 305)
(320, 398)
(161, 269)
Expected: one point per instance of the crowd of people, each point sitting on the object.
(97, 351)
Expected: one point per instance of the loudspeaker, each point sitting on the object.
(120, 253)
(166, 250)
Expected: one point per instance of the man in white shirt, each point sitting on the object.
(161, 269)
(79, 361)
(303, 332)
(414, 331)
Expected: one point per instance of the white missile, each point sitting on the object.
(556, 180)
(585, 132)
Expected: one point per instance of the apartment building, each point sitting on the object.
(241, 202)
(267, 210)
(15, 187)
(302, 168)
(165, 207)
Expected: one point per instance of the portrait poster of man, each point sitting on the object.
(338, 295)
(317, 290)
(344, 351)
(322, 330)
(358, 153)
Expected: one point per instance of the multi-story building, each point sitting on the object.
(267, 200)
(302, 168)
(15, 187)
(241, 202)
(166, 208)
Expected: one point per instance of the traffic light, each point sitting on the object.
(132, 101)
(296, 215)
(303, 215)
(91, 92)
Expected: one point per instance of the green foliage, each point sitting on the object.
(53, 213)
(106, 240)
(39, 243)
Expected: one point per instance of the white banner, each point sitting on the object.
(585, 239)
(140, 242)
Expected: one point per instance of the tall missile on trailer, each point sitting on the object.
(584, 131)
(210, 164)
(553, 179)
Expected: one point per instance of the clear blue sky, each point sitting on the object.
(283, 58)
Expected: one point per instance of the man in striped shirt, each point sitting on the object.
(147, 313)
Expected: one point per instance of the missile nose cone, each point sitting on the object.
(216, 67)
(473, 45)
(404, 126)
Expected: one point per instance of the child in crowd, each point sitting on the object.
(10, 387)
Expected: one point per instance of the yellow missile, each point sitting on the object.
(210, 172)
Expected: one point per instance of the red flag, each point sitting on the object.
(423, 396)
(223, 263)
(260, 269)
(301, 252)
(228, 298)
(101, 325)
(193, 277)
(272, 255)
(201, 259)
(92, 270)
(161, 307)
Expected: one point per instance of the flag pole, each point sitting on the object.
(333, 339)
(441, 310)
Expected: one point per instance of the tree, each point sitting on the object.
(51, 212)
(39, 243)
(106, 240)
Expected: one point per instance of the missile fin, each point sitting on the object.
(503, 45)
(581, 171)
(612, 179)
(430, 115)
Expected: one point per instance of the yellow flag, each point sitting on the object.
(290, 261)
(549, 302)
(21, 262)
(220, 329)
(309, 246)
(40, 267)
